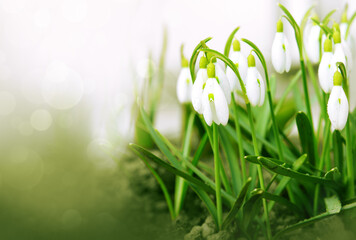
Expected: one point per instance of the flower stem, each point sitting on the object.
(259, 170)
(217, 175)
(350, 164)
(305, 88)
(239, 137)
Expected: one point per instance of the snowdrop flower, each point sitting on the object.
(224, 82)
(325, 72)
(215, 106)
(338, 106)
(312, 44)
(197, 89)
(240, 61)
(255, 84)
(184, 83)
(281, 58)
(344, 42)
(339, 55)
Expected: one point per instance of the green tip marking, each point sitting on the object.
(188, 80)
(204, 85)
(203, 62)
(237, 65)
(236, 45)
(339, 100)
(337, 78)
(251, 60)
(337, 37)
(284, 47)
(217, 79)
(211, 97)
(258, 81)
(211, 70)
(184, 62)
(344, 17)
(328, 45)
(280, 26)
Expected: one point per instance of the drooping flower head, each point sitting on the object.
(344, 44)
(255, 84)
(240, 61)
(222, 78)
(338, 105)
(281, 58)
(339, 54)
(325, 71)
(311, 40)
(214, 104)
(197, 89)
(184, 83)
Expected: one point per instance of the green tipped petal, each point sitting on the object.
(344, 17)
(211, 70)
(251, 61)
(336, 27)
(236, 45)
(337, 78)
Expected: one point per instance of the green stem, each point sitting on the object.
(239, 137)
(181, 185)
(217, 174)
(350, 164)
(259, 170)
(305, 88)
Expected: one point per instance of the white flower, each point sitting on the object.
(312, 44)
(255, 84)
(239, 60)
(215, 106)
(197, 89)
(338, 106)
(339, 54)
(184, 86)
(224, 82)
(325, 72)
(281, 58)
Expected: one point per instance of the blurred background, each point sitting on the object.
(70, 73)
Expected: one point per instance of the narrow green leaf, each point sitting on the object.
(229, 42)
(305, 18)
(325, 28)
(237, 205)
(194, 58)
(327, 17)
(283, 201)
(289, 15)
(160, 182)
(306, 137)
(249, 208)
(284, 171)
(158, 141)
(157, 160)
(208, 202)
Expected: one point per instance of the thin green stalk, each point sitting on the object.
(217, 175)
(259, 170)
(181, 185)
(350, 164)
(305, 88)
(239, 137)
(321, 164)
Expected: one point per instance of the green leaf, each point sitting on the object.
(284, 171)
(306, 136)
(327, 17)
(333, 204)
(237, 205)
(229, 42)
(151, 157)
(289, 15)
(325, 28)
(161, 184)
(305, 18)
(249, 209)
(158, 141)
(194, 58)
(349, 23)
(283, 201)
(208, 203)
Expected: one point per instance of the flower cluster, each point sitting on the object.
(213, 87)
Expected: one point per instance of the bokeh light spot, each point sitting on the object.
(41, 120)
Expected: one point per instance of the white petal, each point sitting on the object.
(348, 54)
(233, 81)
(288, 55)
(221, 106)
(313, 45)
(242, 61)
(207, 113)
(339, 56)
(224, 82)
(252, 87)
(278, 53)
(184, 85)
(343, 28)
(325, 72)
(262, 89)
(197, 89)
(338, 108)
